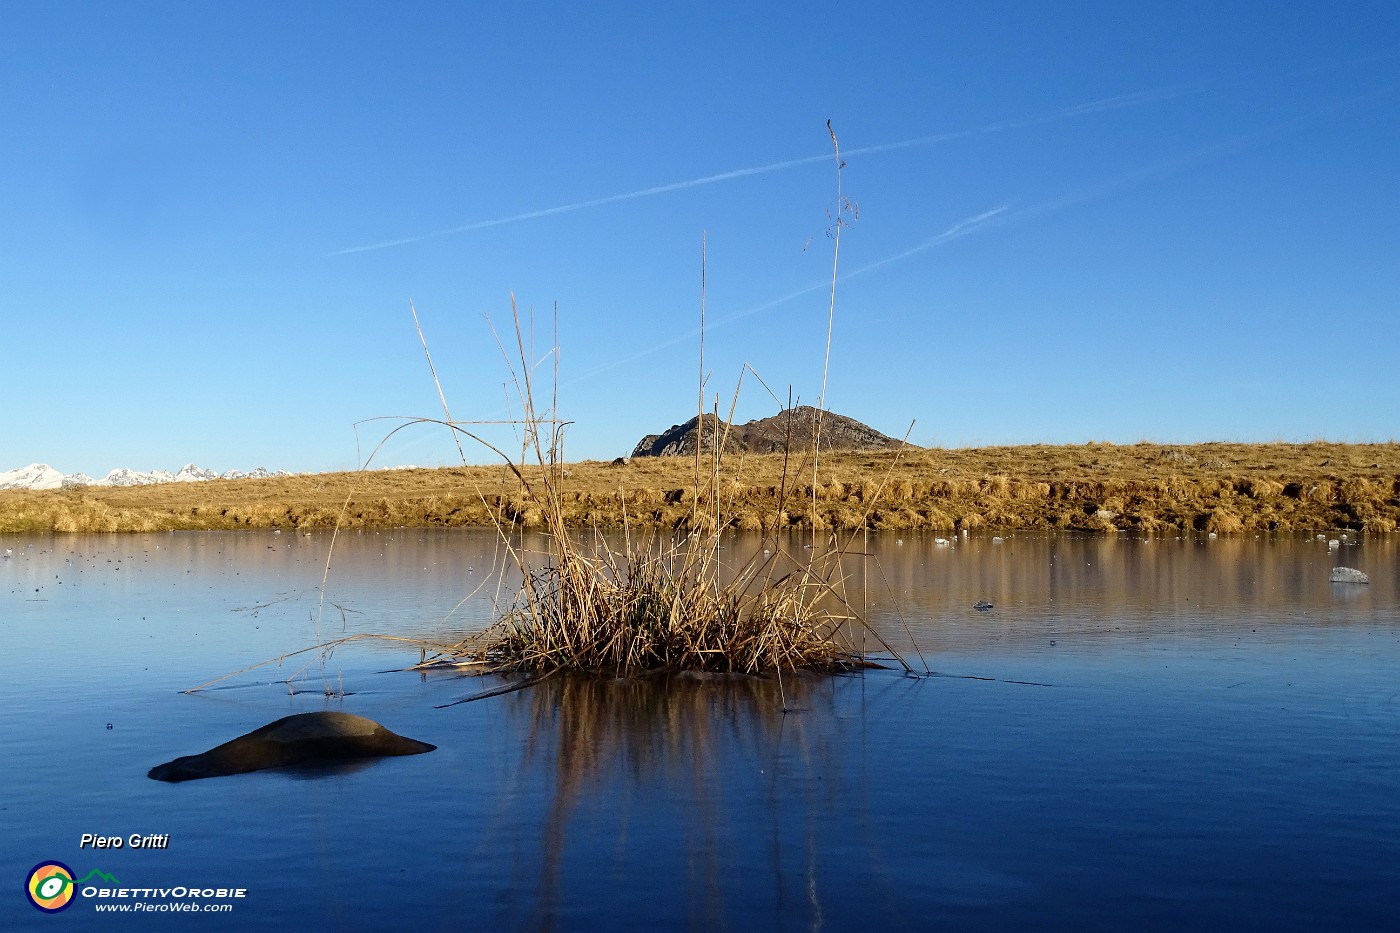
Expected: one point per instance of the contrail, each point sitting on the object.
(960, 229)
(1005, 213)
(580, 205)
(1211, 152)
(1078, 110)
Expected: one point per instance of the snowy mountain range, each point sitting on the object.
(43, 476)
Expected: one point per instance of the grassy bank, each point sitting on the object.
(1225, 488)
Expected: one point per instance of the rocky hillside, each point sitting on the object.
(791, 429)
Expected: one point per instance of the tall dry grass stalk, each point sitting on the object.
(649, 602)
(669, 603)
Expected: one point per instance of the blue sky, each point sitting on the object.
(1086, 221)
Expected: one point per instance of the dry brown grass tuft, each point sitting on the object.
(668, 608)
(663, 600)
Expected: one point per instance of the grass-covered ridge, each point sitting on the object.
(1219, 487)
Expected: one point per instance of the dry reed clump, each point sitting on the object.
(657, 604)
(665, 609)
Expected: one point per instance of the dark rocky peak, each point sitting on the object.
(793, 428)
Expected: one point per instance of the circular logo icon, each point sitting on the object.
(50, 886)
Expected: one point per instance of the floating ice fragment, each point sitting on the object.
(1348, 575)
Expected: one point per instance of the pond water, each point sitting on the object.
(1163, 734)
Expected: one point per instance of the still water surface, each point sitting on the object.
(1165, 734)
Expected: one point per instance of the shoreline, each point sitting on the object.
(1149, 488)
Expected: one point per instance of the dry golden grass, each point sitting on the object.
(665, 602)
(1224, 488)
(673, 606)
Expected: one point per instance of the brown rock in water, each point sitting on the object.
(791, 429)
(306, 738)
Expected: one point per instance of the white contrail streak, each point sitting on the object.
(580, 205)
(960, 229)
(1078, 110)
(1005, 214)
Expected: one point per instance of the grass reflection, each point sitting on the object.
(704, 790)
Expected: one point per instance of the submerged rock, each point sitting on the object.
(1348, 575)
(303, 739)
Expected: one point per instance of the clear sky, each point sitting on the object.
(1108, 221)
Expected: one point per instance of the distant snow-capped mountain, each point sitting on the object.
(254, 473)
(124, 477)
(34, 476)
(43, 476)
(189, 473)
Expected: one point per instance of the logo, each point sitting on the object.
(50, 886)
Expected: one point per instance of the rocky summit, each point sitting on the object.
(791, 429)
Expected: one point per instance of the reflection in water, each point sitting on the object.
(710, 750)
(1110, 573)
(1078, 585)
